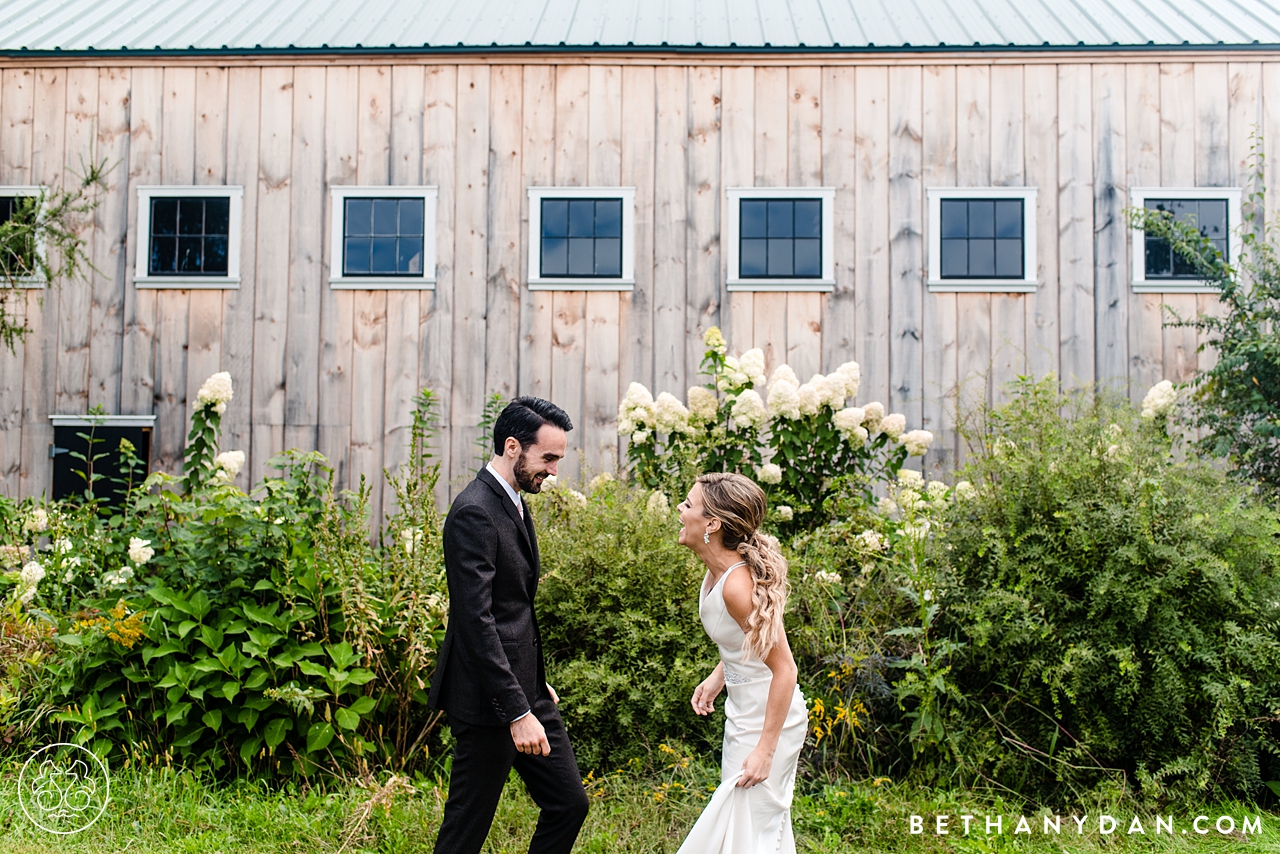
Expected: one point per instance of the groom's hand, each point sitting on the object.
(529, 736)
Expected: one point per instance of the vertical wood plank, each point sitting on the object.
(1178, 169)
(1111, 272)
(804, 169)
(271, 297)
(737, 169)
(307, 203)
(48, 156)
(600, 371)
(75, 303)
(938, 169)
(839, 170)
(173, 305)
(244, 88)
(635, 311)
(110, 227)
(17, 93)
(871, 311)
(538, 162)
(1215, 96)
(1271, 141)
(772, 102)
(670, 218)
(471, 224)
(204, 321)
(506, 191)
(1008, 311)
(1075, 224)
(137, 363)
(1041, 155)
(702, 291)
(435, 323)
(906, 249)
(403, 307)
(369, 313)
(1142, 169)
(973, 169)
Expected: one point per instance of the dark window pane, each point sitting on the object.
(955, 218)
(582, 260)
(1183, 210)
(555, 218)
(608, 256)
(1221, 246)
(808, 257)
(1182, 266)
(164, 255)
(215, 255)
(411, 217)
(359, 221)
(190, 216)
(189, 253)
(753, 217)
(555, 253)
(356, 256)
(6, 208)
(1009, 259)
(164, 216)
(1159, 258)
(608, 218)
(982, 258)
(385, 218)
(982, 220)
(1009, 218)
(955, 258)
(780, 260)
(217, 216)
(409, 255)
(809, 218)
(780, 219)
(382, 252)
(1213, 218)
(752, 258)
(1160, 205)
(582, 219)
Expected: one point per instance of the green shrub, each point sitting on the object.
(1120, 608)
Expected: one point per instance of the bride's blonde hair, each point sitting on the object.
(740, 505)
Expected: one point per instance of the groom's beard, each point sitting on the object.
(527, 482)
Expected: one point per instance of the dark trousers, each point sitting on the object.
(483, 756)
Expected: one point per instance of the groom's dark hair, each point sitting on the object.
(523, 418)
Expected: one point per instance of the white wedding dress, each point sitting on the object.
(740, 820)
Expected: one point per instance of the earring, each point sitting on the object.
(706, 536)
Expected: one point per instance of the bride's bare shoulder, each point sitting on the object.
(738, 589)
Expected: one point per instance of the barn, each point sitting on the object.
(342, 202)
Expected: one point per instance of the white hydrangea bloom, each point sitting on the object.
(640, 437)
(32, 573)
(140, 550)
(752, 364)
(769, 473)
(784, 401)
(892, 425)
(783, 374)
(550, 481)
(1160, 400)
(849, 421)
(918, 531)
(230, 462)
(887, 506)
(785, 513)
(937, 491)
(62, 546)
(217, 392)
(37, 520)
(703, 404)
(917, 442)
(826, 577)
(636, 409)
(852, 375)
(27, 595)
(810, 400)
(964, 491)
(909, 499)
(871, 540)
(910, 478)
(12, 556)
(733, 376)
(119, 576)
(749, 409)
(599, 481)
(658, 504)
(831, 389)
(578, 497)
(669, 414)
(1114, 430)
(714, 339)
(410, 539)
(858, 437)
(928, 596)
(873, 413)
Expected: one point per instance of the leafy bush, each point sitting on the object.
(1120, 609)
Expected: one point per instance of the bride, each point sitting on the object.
(741, 604)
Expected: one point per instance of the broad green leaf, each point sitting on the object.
(199, 604)
(163, 649)
(312, 669)
(177, 713)
(343, 655)
(211, 637)
(249, 747)
(276, 731)
(363, 705)
(230, 689)
(190, 738)
(212, 719)
(348, 719)
(185, 627)
(319, 736)
(255, 680)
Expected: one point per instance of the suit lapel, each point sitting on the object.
(512, 512)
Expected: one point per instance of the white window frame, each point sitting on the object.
(1137, 237)
(933, 277)
(41, 249)
(231, 281)
(625, 282)
(733, 212)
(425, 281)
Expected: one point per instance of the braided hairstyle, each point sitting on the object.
(740, 505)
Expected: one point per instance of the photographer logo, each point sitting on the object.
(63, 788)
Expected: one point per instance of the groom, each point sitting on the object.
(490, 677)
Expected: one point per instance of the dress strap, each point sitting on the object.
(734, 566)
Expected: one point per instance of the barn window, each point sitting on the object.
(383, 237)
(581, 238)
(780, 238)
(1215, 211)
(17, 264)
(982, 239)
(82, 439)
(189, 237)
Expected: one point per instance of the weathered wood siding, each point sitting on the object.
(336, 370)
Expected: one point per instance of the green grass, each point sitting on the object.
(161, 810)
